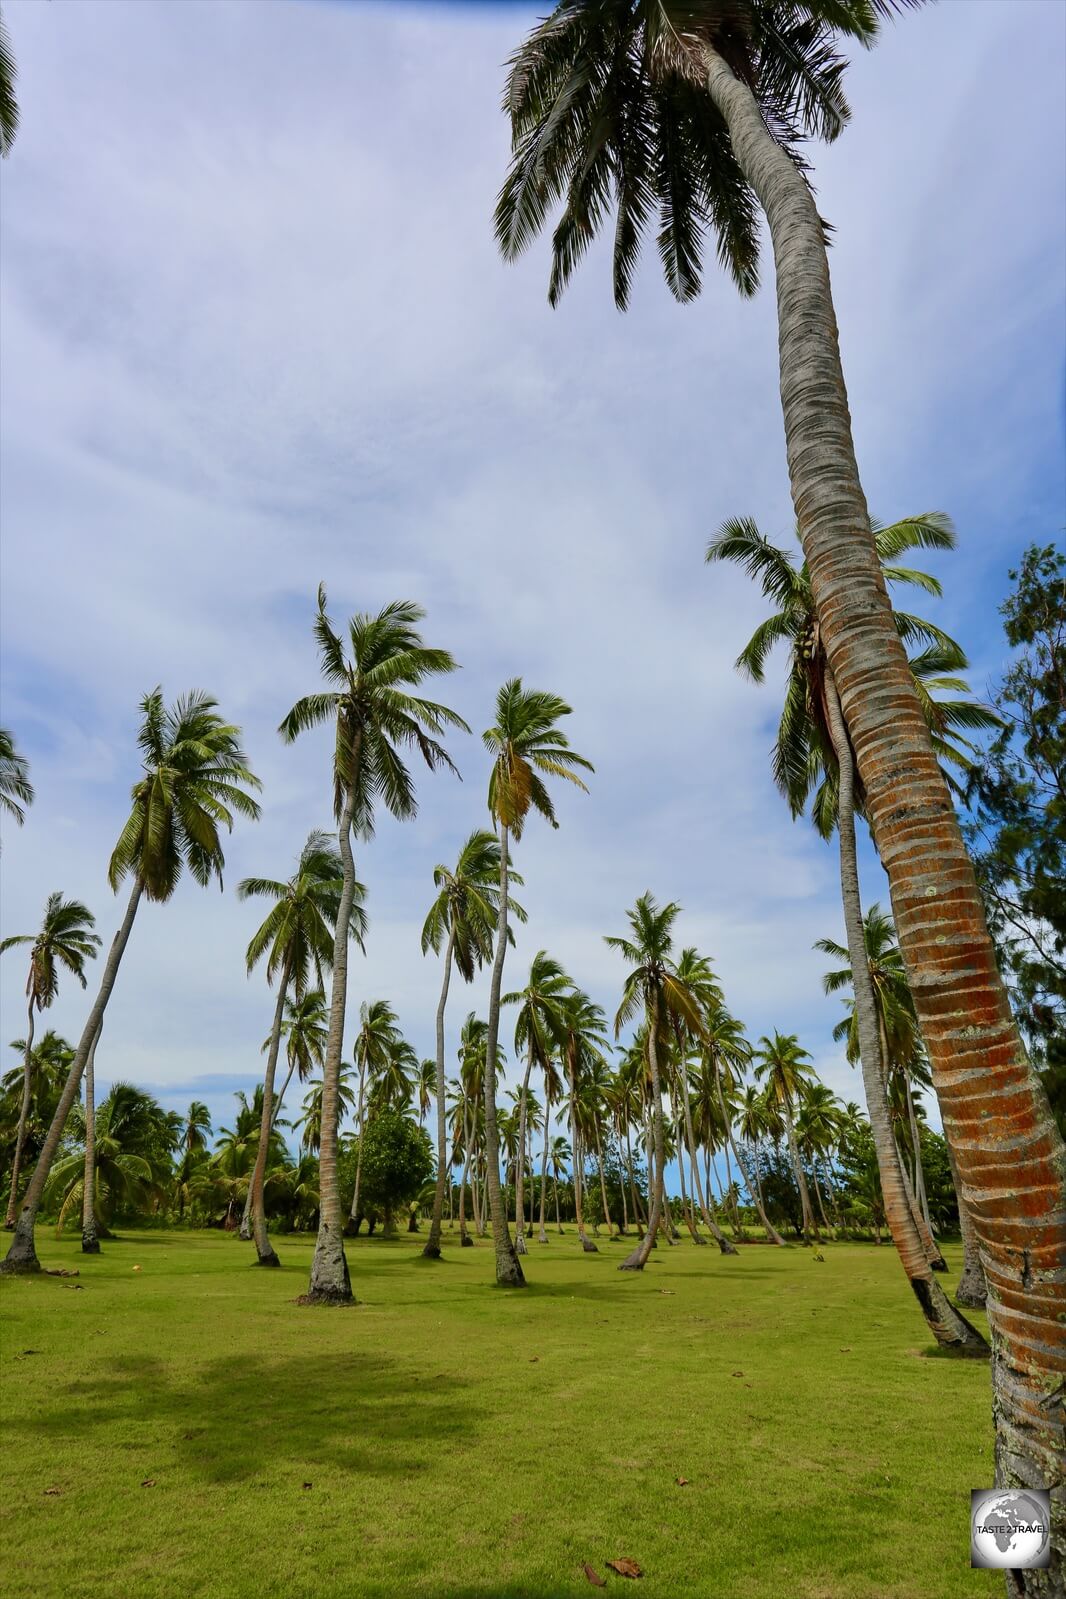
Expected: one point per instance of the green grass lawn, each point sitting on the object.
(447, 1438)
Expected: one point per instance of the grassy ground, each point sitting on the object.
(207, 1437)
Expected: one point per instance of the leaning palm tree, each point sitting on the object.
(463, 920)
(786, 1069)
(296, 939)
(16, 790)
(375, 717)
(376, 1046)
(814, 753)
(653, 987)
(538, 1031)
(65, 939)
(526, 745)
(584, 1039)
(693, 108)
(195, 777)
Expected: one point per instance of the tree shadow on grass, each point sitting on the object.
(231, 1421)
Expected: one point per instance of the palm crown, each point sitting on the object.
(804, 761)
(16, 790)
(468, 904)
(540, 1024)
(297, 933)
(785, 1068)
(652, 983)
(196, 777)
(609, 110)
(65, 938)
(892, 994)
(375, 713)
(526, 747)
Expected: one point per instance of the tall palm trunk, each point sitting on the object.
(929, 1244)
(508, 1269)
(24, 1116)
(330, 1282)
(353, 1215)
(280, 1098)
(603, 1180)
(542, 1236)
(994, 1108)
(754, 1189)
(971, 1290)
(826, 1223)
(519, 1200)
(639, 1257)
(90, 1244)
(809, 1227)
(638, 1214)
(724, 1246)
(558, 1218)
(579, 1160)
(465, 1240)
(265, 1252)
(22, 1256)
(948, 1326)
(688, 1210)
(432, 1246)
(916, 1144)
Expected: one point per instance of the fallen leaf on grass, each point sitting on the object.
(76, 1287)
(593, 1576)
(682, 1482)
(53, 1490)
(60, 1271)
(845, 1351)
(533, 1359)
(149, 1482)
(308, 1484)
(667, 1290)
(738, 1374)
(626, 1567)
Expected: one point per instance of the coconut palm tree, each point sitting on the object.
(311, 1120)
(757, 1119)
(16, 790)
(584, 1040)
(425, 1088)
(376, 719)
(305, 1029)
(813, 747)
(526, 746)
(376, 1045)
(195, 777)
(694, 107)
(471, 1085)
(133, 1139)
(66, 940)
(653, 988)
(818, 1127)
(694, 972)
(561, 1160)
(296, 940)
(553, 1090)
(786, 1069)
(463, 920)
(539, 1028)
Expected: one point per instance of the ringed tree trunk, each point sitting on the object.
(508, 1270)
(22, 1255)
(971, 1291)
(330, 1282)
(266, 1255)
(431, 1250)
(90, 1243)
(994, 1108)
(950, 1329)
(639, 1257)
(579, 1160)
(519, 1198)
(24, 1116)
(542, 1236)
(929, 1244)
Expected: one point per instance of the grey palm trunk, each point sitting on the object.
(360, 1102)
(90, 1243)
(754, 1189)
(266, 1255)
(24, 1116)
(579, 1160)
(542, 1236)
(508, 1270)
(639, 1257)
(972, 1290)
(22, 1255)
(725, 1247)
(519, 1202)
(948, 1325)
(432, 1246)
(330, 1281)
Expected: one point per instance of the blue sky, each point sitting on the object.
(255, 334)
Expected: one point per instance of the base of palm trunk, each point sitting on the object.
(431, 1248)
(939, 1264)
(972, 1291)
(542, 1237)
(330, 1283)
(948, 1325)
(589, 1247)
(245, 1234)
(267, 1257)
(726, 1247)
(466, 1242)
(22, 1256)
(509, 1273)
(90, 1244)
(520, 1245)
